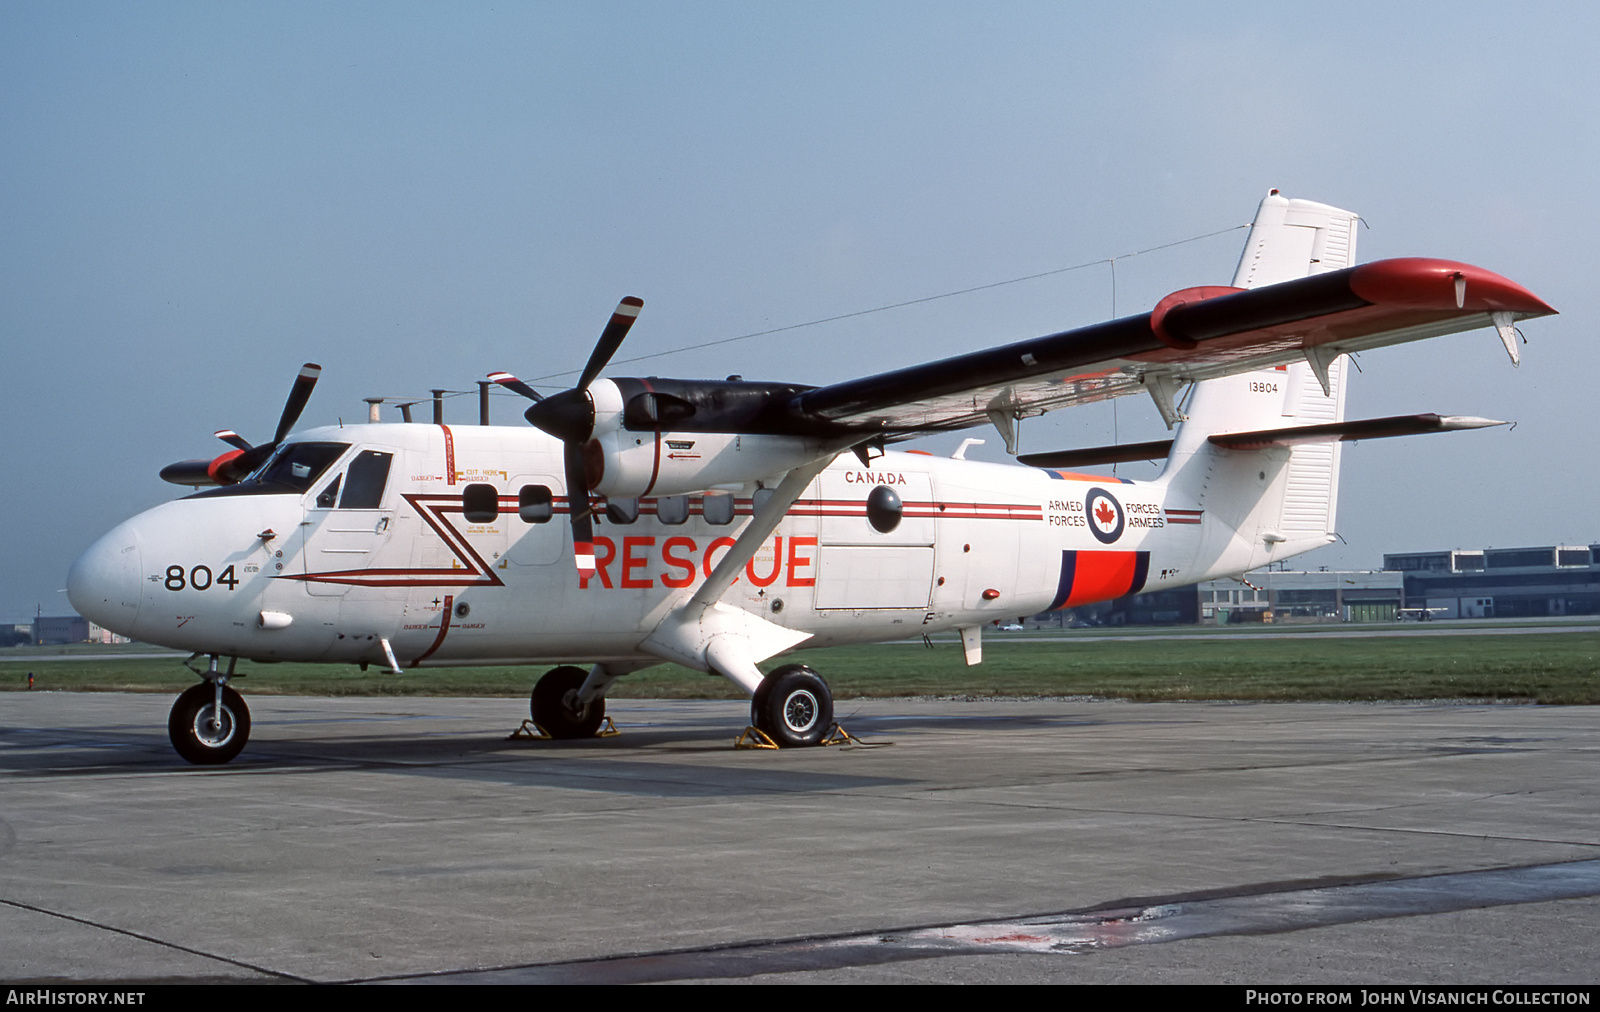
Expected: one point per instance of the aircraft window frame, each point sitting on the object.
(276, 476)
(622, 511)
(330, 495)
(480, 503)
(299, 465)
(718, 510)
(673, 510)
(536, 504)
(369, 478)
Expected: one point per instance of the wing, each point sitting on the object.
(1274, 313)
(1191, 335)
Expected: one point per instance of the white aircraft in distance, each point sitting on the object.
(717, 524)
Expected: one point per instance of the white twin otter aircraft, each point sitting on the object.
(723, 523)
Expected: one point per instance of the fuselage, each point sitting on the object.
(451, 543)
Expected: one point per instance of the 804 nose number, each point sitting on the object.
(196, 578)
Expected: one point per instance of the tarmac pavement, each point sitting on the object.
(1055, 840)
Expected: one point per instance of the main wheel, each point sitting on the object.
(793, 706)
(203, 736)
(555, 705)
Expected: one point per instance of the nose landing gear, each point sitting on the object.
(209, 723)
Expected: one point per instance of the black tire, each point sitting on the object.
(553, 709)
(793, 706)
(197, 737)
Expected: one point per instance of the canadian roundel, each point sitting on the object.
(1106, 518)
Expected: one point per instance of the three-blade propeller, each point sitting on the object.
(569, 416)
(231, 467)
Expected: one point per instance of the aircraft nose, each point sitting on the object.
(106, 582)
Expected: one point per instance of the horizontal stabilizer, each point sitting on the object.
(1367, 428)
(1096, 455)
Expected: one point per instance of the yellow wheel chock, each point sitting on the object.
(529, 731)
(754, 737)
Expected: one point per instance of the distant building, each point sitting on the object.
(1502, 582)
(1271, 595)
(100, 634)
(1177, 606)
(57, 629)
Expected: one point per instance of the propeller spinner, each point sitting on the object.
(569, 416)
(229, 468)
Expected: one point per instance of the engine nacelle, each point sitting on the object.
(629, 464)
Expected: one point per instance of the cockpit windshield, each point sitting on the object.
(291, 469)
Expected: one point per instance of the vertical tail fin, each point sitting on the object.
(1276, 502)
(1295, 239)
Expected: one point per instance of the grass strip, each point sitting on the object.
(1536, 667)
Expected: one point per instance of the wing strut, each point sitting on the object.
(707, 635)
(755, 533)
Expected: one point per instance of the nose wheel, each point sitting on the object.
(204, 733)
(793, 706)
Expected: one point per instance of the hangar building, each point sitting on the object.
(1502, 582)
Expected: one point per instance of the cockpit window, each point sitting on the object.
(292, 468)
(297, 465)
(328, 496)
(368, 473)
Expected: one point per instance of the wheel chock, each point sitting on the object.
(529, 731)
(754, 737)
(837, 735)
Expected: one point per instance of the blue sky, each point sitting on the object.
(199, 197)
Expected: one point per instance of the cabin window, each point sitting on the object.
(622, 511)
(535, 504)
(717, 509)
(884, 509)
(330, 495)
(760, 498)
(672, 510)
(368, 473)
(480, 504)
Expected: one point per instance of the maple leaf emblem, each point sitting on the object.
(1104, 513)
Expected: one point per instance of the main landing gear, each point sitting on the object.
(793, 707)
(556, 709)
(209, 723)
